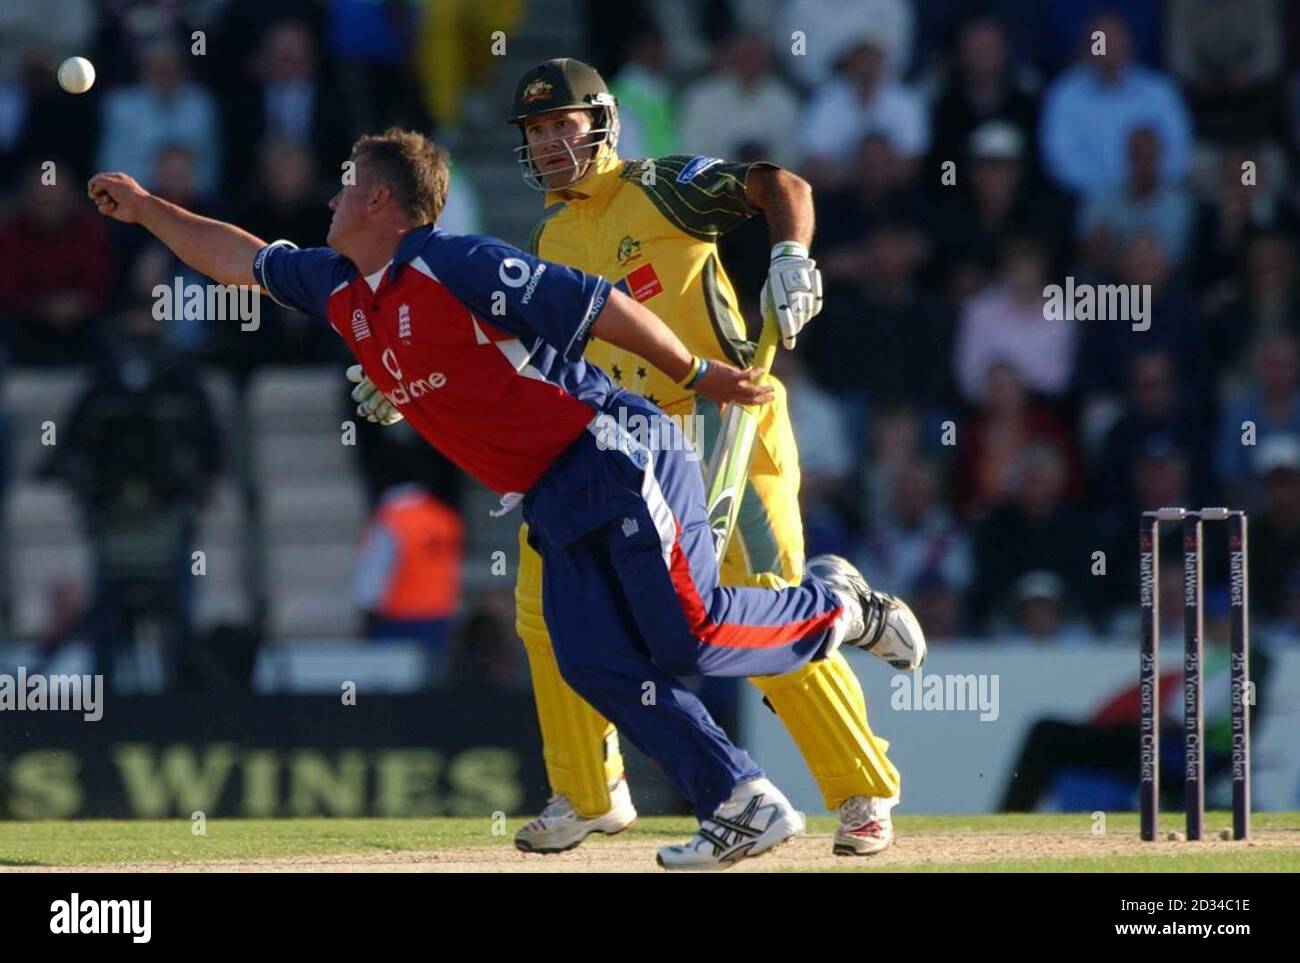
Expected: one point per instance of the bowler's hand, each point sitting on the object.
(118, 196)
(726, 385)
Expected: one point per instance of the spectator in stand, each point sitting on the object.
(1268, 410)
(284, 200)
(877, 193)
(1036, 528)
(826, 458)
(1228, 57)
(371, 44)
(162, 110)
(151, 264)
(1143, 204)
(1173, 323)
(141, 449)
(1275, 528)
(1005, 323)
(646, 109)
(1090, 110)
(893, 443)
(485, 653)
(918, 546)
(991, 444)
(998, 198)
(285, 203)
(983, 89)
(828, 26)
(56, 279)
(38, 121)
(1227, 221)
(881, 335)
(286, 101)
(1267, 302)
(743, 109)
(1154, 409)
(454, 57)
(5, 438)
(1045, 33)
(463, 212)
(1159, 475)
(862, 99)
(825, 451)
(407, 578)
(1038, 612)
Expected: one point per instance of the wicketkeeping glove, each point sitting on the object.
(372, 404)
(792, 293)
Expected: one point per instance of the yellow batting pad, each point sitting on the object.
(823, 709)
(579, 745)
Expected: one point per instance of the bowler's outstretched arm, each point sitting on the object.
(215, 249)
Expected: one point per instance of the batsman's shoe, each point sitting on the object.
(560, 828)
(876, 621)
(756, 818)
(865, 826)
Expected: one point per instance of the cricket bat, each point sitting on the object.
(728, 466)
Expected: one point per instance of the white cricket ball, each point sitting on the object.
(76, 75)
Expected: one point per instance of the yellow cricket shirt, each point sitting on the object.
(651, 228)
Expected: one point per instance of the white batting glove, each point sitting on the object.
(372, 404)
(792, 293)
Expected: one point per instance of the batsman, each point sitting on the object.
(651, 227)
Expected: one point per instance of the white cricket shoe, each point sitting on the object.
(756, 818)
(876, 621)
(865, 826)
(560, 828)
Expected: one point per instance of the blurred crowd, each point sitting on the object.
(970, 453)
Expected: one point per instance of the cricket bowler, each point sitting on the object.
(653, 225)
(480, 346)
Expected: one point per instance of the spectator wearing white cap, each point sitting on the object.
(1037, 611)
(997, 197)
(982, 90)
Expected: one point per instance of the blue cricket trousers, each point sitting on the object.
(632, 601)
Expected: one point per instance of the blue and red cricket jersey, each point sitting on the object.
(480, 346)
(478, 343)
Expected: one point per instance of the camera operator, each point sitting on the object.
(141, 450)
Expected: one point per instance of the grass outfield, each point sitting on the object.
(1038, 843)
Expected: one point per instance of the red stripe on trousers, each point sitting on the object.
(732, 635)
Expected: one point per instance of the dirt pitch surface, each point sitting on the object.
(811, 852)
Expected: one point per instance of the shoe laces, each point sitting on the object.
(856, 810)
(876, 607)
(558, 806)
(861, 809)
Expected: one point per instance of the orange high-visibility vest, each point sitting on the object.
(430, 539)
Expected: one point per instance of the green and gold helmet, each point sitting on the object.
(564, 84)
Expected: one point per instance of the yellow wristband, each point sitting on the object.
(692, 373)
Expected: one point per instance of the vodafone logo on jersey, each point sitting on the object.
(514, 273)
(404, 393)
